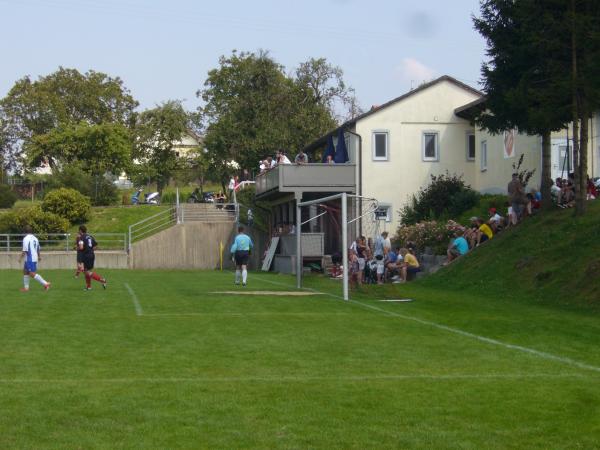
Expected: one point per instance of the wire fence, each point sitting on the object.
(63, 242)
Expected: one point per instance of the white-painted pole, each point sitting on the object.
(345, 261)
(298, 242)
(177, 209)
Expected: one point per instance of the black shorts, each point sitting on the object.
(241, 257)
(79, 257)
(88, 262)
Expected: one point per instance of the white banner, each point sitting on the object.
(509, 143)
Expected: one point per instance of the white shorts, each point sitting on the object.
(361, 264)
(380, 267)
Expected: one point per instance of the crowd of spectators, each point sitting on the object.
(519, 206)
(281, 158)
(375, 262)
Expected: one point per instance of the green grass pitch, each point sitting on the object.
(159, 360)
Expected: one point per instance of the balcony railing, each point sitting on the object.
(307, 178)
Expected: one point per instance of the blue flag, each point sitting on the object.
(330, 150)
(341, 152)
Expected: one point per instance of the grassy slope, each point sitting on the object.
(118, 219)
(553, 258)
(82, 370)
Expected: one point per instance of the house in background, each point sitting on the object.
(398, 146)
(395, 148)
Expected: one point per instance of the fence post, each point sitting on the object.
(129, 243)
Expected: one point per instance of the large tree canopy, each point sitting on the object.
(61, 100)
(542, 72)
(156, 133)
(252, 108)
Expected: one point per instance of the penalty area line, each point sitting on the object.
(136, 303)
(439, 326)
(304, 379)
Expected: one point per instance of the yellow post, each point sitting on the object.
(221, 247)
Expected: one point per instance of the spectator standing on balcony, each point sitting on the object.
(31, 254)
(281, 158)
(301, 158)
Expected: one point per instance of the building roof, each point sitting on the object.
(472, 109)
(320, 141)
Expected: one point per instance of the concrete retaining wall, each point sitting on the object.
(66, 260)
(192, 245)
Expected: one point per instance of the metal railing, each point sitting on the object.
(153, 224)
(64, 242)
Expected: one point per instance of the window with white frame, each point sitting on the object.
(431, 151)
(384, 212)
(381, 146)
(483, 155)
(470, 146)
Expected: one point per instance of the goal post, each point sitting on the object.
(345, 222)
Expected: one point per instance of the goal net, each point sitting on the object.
(327, 228)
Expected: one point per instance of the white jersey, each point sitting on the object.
(31, 247)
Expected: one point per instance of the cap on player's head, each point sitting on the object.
(240, 229)
(83, 228)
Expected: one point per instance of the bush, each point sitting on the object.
(446, 196)
(432, 234)
(67, 203)
(40, 221)
(7, 196)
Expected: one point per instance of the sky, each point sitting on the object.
(163, 50)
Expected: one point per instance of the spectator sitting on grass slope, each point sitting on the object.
(458, 247)
(409, 266)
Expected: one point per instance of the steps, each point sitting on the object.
(207, 212)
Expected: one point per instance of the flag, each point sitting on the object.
(341, 152)
(330, 150)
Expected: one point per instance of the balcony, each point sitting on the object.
(287, 178)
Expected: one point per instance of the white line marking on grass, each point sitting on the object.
(279, 293)
(396, 300)
(540, 354)
(230, 314)
(136, 302)
(302, 379)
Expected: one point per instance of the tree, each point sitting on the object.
(60, 100)
(252, 108)
(323, 84)
(156, 132)
(523, 83)
(102, 148)
(542, 73)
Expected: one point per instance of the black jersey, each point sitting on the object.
(87, 244)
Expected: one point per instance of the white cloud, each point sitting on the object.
(413, 70)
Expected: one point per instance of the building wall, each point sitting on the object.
(560, 138)
(494, 179)
(394, 181)
(194, 245)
